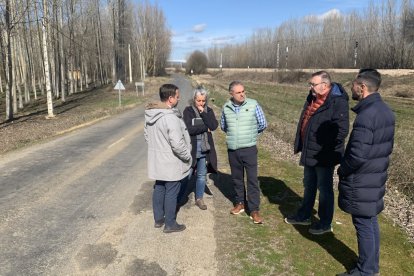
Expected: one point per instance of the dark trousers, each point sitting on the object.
(368, 244)
(164, 201)
(241, 160)
(318, 178)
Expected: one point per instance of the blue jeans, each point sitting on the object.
(318, 178)
(368, 244)
(201, 177)
(164, 201)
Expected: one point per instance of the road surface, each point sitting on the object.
(81, 205)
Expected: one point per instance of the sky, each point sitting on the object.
(201, 24)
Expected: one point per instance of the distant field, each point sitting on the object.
(281, 249)
(390, 72)
(283, 101)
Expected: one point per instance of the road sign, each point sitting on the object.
(119, 85)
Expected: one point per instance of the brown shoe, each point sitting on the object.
(238, 209)
(200, 203)
(254, 215)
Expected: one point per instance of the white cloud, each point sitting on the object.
(199, 28)
(330, 13)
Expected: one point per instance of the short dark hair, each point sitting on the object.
(167, 90)
(326, 78)
(233, 84)
(369, 77)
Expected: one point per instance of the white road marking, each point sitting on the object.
(113, 144)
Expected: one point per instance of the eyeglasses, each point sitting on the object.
(314, 84)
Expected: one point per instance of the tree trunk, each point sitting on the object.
(61, 55)
(46, 65)
(8, 61)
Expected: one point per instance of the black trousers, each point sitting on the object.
(245, 160)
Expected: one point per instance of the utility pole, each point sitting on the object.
(287, 56)
(278, 56)
(221, 62)
(355, 53)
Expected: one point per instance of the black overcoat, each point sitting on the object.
(363, 171)
(324, 137)
(210, 122)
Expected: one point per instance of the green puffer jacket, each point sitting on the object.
(241, 127)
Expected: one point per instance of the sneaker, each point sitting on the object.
(238, 209)
(200, 203)
(254, 215)
(296, 221)
(159, 224)
(176, 228)
(318, 229)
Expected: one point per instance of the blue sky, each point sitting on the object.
(201, 24)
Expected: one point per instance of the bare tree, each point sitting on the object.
(46, 61)
(382, 30)
(59, 47)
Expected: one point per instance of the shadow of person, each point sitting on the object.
(277, 192)
(224, 184)
(189, 186)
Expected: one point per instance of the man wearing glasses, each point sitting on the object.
(320, 137)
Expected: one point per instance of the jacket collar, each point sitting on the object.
(374, 97)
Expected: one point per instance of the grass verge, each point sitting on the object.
(277, 248)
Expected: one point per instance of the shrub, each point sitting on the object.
(197, 62)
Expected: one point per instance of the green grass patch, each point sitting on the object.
(278, 248)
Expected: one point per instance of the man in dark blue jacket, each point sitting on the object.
(363, 170)
(320, 136)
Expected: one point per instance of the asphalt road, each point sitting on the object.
(81, 205)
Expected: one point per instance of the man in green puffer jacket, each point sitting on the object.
(243, 120)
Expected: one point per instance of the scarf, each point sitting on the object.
(205, 146)
(310, 110)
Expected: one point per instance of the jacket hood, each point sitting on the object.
(338, 91)
(157, 110)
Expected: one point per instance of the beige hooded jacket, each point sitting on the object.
(169, 146)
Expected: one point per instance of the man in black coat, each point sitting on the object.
(320, 137)
(363, 170)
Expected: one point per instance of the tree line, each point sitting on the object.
(380, 36)
(59, 47)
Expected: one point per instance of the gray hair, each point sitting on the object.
(325, 77)
(199, 90)
(233, 84)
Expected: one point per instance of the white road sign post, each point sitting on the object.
(120, 87)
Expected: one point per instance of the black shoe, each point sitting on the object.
(176, 228)
(159, 224)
